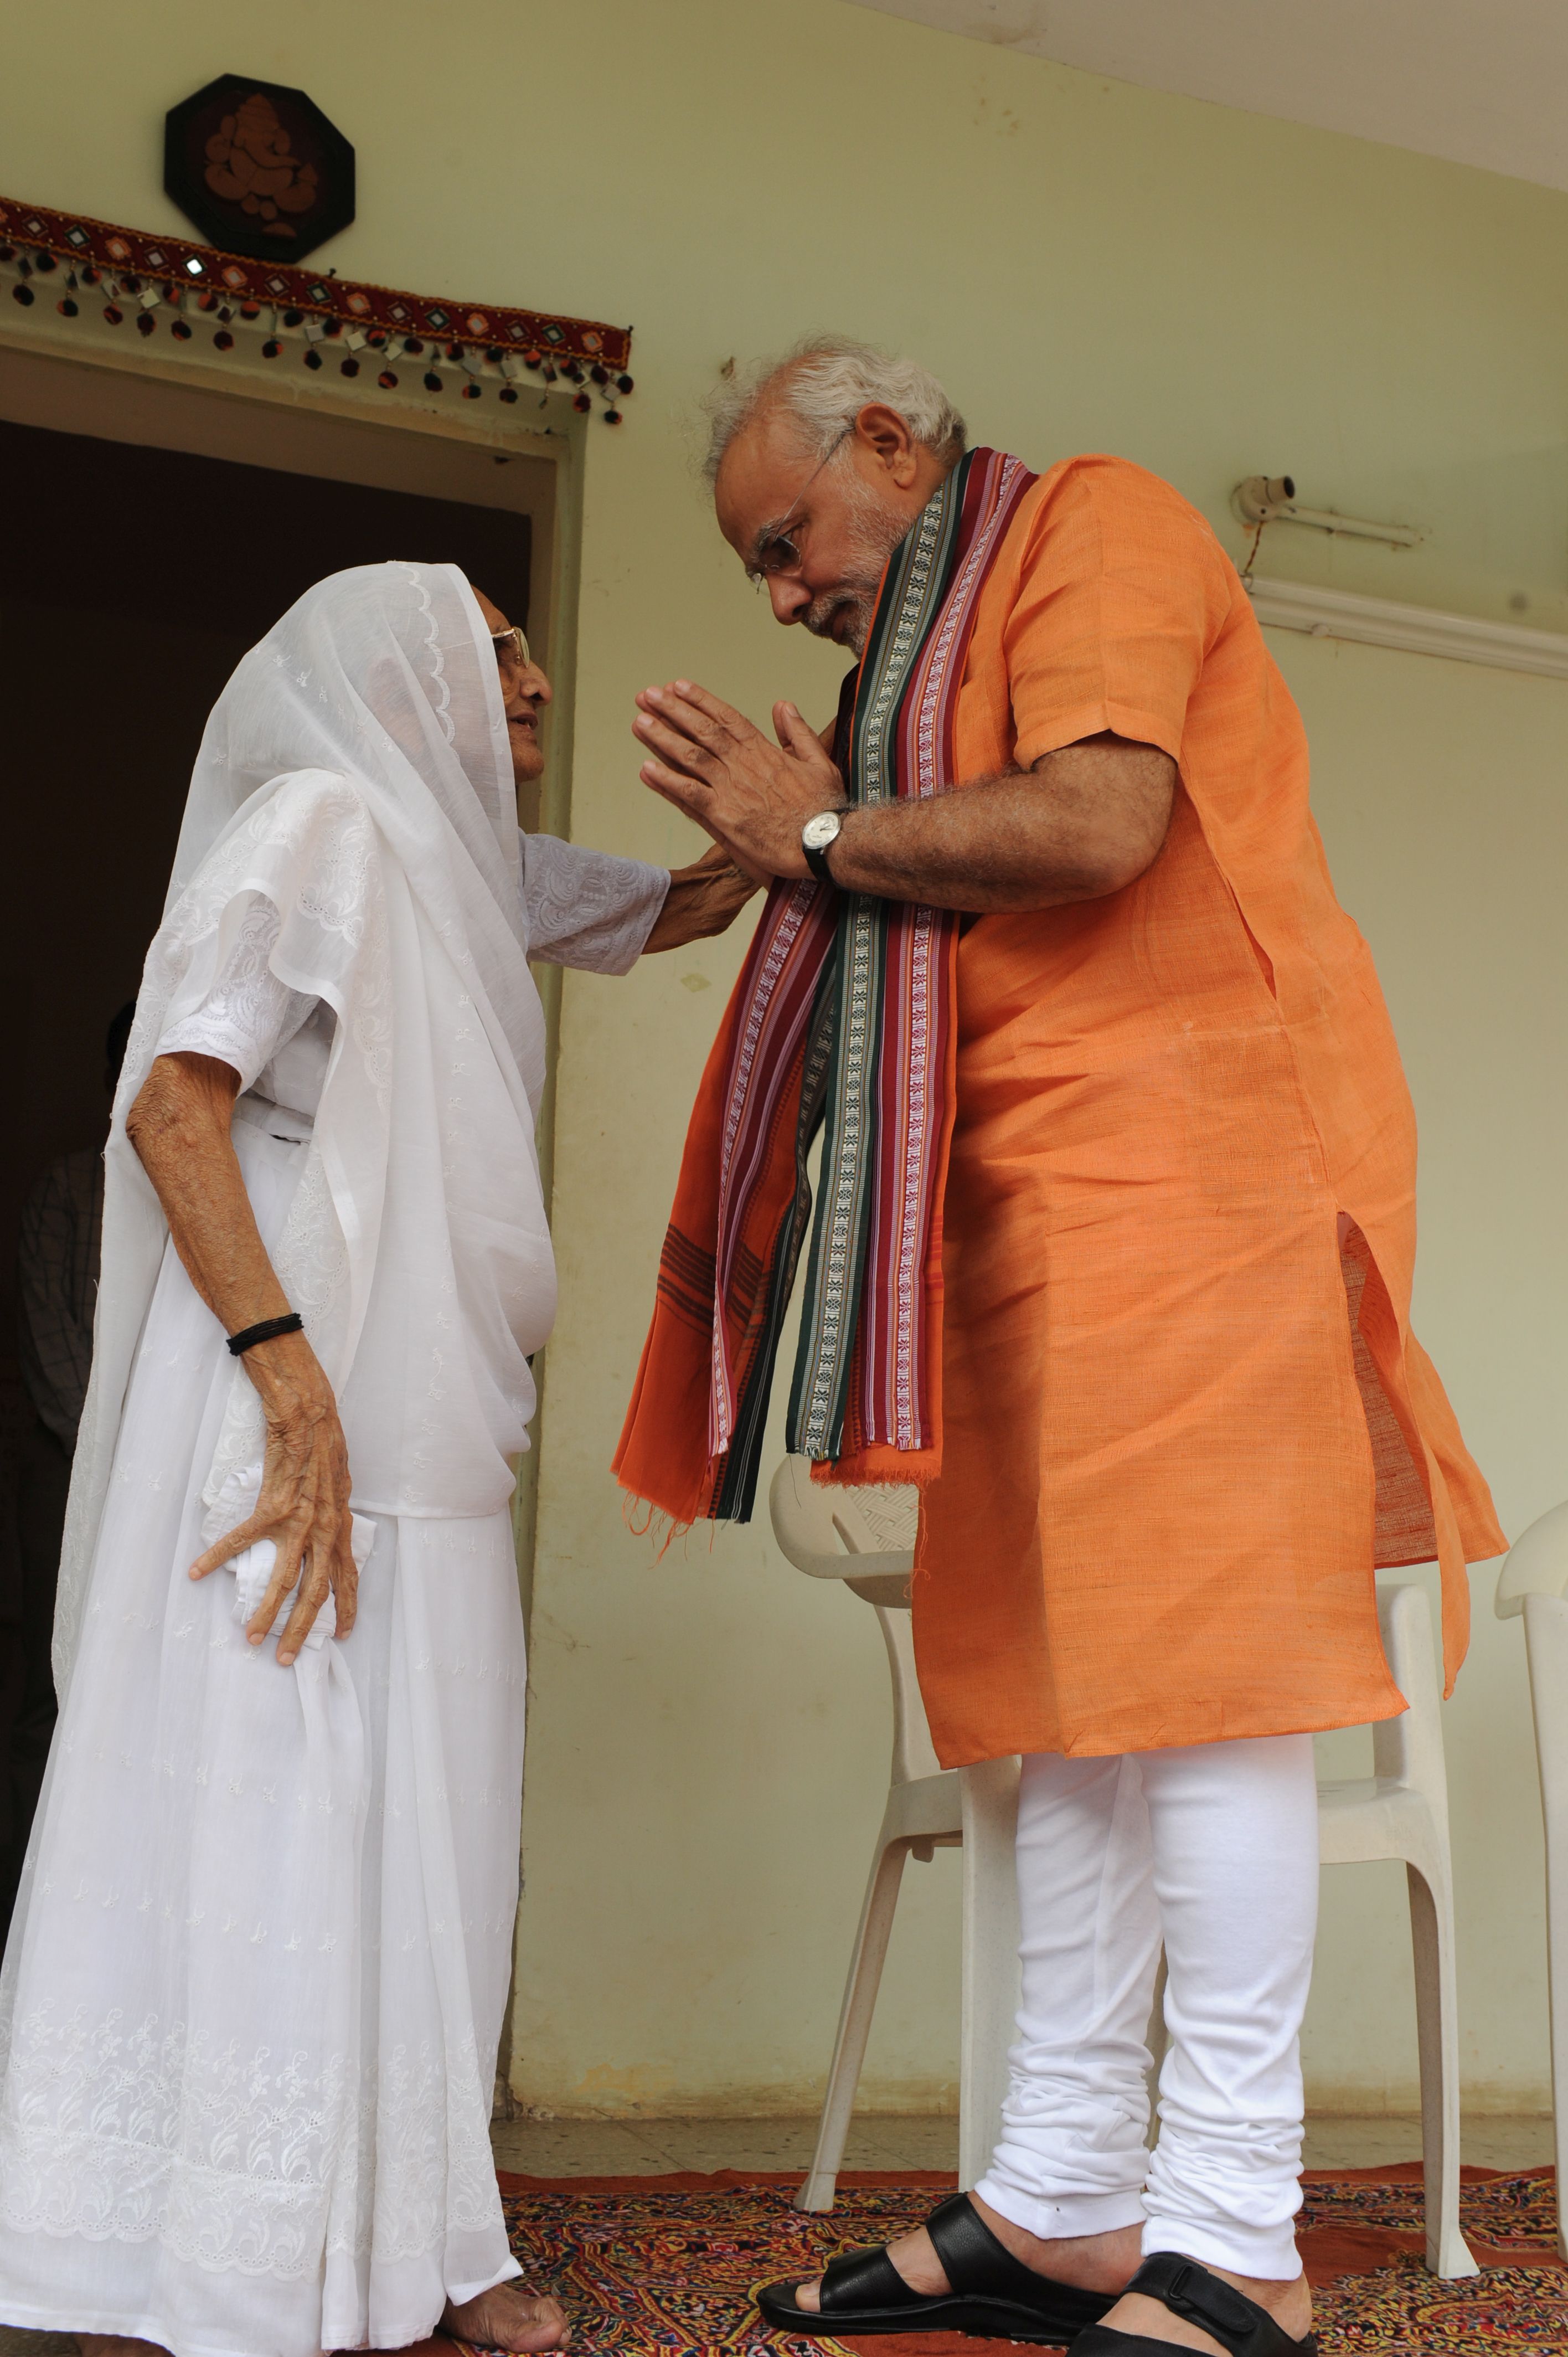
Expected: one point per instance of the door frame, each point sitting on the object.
(548, 430)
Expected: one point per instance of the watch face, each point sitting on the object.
(819, 832)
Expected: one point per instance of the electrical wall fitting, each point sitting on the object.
(1259, 499)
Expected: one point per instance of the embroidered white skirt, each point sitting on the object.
(255, 1981)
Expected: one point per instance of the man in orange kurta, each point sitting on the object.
(1181, 1417)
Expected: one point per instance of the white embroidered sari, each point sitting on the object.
(255, 1981)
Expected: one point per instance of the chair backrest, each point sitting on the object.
(865, 1537)
(878, 1519)
(1536, 1563)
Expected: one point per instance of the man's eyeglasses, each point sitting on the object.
(774, 550)
(502, 640)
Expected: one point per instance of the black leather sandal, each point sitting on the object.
(994, 2296)
(1190, 2292)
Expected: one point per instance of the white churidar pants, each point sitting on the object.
(1213, 1849)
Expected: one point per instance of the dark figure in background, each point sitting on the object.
(57, 1286)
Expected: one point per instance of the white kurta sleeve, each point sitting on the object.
(588, 909)
(248, 1015)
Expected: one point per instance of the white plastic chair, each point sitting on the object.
(1533, 1587)
(865, 1537)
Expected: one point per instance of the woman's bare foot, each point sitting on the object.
(1091, 2262)
(1288, 2302)
(506, 2316)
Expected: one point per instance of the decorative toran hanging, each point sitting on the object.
(197, 291)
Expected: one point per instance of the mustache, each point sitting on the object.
(857, 600)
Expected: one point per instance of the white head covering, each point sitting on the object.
(387, 674)
(355, 773)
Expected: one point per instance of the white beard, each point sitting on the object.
(876, 532)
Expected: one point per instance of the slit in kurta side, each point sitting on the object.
(1406, 1528)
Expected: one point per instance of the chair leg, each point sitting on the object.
(1557, 1986)
(1546, 1635)
(1437, 2032)
(990, 1796)
(865, 1964)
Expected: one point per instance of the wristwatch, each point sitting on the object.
(818, 837)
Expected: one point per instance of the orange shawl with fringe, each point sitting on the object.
(842, 1018)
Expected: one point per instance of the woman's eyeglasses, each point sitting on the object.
(502, 640)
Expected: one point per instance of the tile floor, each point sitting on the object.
(645, 2147)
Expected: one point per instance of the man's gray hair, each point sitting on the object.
(820, 386)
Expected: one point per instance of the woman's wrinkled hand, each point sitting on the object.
(303, 1502)
(704, 899)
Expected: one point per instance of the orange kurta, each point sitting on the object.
(1184, 1415)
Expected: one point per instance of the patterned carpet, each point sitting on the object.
(666, 2263)
(1362, 2241)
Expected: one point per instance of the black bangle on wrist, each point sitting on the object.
(267, 1331)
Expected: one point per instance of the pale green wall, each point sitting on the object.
(1088, 266)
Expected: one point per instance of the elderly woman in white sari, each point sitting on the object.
(255, 1981)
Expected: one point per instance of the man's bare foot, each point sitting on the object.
(506, 2316)
(1288, 2302)
(1091, 2262)
(115, 2345)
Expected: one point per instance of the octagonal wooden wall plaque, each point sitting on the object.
(258, 168)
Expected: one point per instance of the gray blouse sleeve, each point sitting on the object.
(588, 909)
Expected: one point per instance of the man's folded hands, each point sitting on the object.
(751, 796)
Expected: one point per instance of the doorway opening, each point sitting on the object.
(155, 532)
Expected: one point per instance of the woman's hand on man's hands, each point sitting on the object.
(303, 1502)
(704, 899)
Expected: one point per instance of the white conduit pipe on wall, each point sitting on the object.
(1412, 629)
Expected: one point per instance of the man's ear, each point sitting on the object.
(887, 438)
